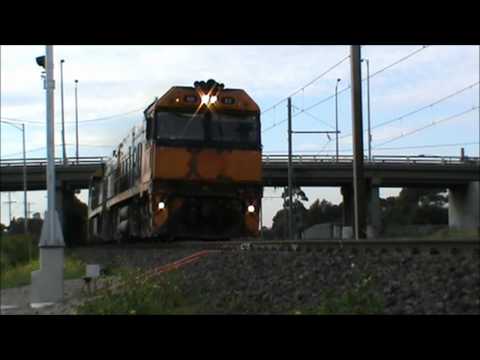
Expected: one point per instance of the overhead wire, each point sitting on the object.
(434, 123)
(42, 123)
(349, 86)
(306, 85)
(403, 116)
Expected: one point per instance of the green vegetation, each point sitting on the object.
(359, 300)
(20, 275)
(412, 206)
(14, 250)
(454, 234)
(139, 296)
(16, 265)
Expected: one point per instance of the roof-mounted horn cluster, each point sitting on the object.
(210, 87)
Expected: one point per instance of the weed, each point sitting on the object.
(138, 295)
(360, 299)
(21, 274)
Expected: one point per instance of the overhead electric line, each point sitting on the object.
(401, 117)
(306, 85)
(427, 126)
(41, 123)
(349, 86)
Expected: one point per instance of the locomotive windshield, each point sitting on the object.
(178, 126)
(208, 127)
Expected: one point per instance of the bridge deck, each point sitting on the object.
(309, 170)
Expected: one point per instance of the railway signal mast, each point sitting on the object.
(47, 282)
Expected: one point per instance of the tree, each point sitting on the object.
(415, 206)
(323, 212)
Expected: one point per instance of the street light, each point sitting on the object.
(76, 118)
(368, 113)
(22, 129)
(63, 113)
(336, 116)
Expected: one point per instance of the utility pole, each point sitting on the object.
(47, 282)
(22, 129)
(63, 113)
(29, 207)
(290, 171)
(76, 118)
(359, 187)
(25, 225)
(336, 117)
(368, 113)
(9, 202)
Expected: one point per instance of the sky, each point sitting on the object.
(117, 82)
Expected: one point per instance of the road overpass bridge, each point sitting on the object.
(460, 175)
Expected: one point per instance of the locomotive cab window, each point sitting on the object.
(218, 128)
(234, 128)
(179, 126)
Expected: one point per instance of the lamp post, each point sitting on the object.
(368, 113)
(47, 282)
(76, 118)
(336, 117)
(63, 113)
(22, 129)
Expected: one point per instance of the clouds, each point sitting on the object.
(118, 79)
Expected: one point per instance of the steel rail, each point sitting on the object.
(431, 247)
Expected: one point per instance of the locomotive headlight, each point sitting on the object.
(207, 99)
(161, 205)
(251, 209)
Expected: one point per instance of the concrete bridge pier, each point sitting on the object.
(63, 201)
(348, 212)
(374, 221)
(463, 206)
(373, 215)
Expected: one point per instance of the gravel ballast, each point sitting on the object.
(279, 282)
(283, 282)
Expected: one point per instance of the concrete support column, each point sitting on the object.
(374, 221)
(59, 202)
(463, 206)
(348, 212)
(63, 204)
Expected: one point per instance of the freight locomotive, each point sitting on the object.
(192, 170)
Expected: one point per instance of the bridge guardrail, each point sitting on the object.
(86, 160)
(278, 158)
(403, 159)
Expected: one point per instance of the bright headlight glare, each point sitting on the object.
(251, 208)
(161, 205)
(207, 99)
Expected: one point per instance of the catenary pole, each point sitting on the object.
(76, 119)
(25, 225)
(358, 176)
(290, 171)
(63, 113)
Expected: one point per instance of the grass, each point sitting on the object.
(359, 300)
(160, 295)
(454, 234)
(19, 257)
(20, 275)
(16, 249)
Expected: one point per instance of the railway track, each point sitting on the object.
(432, 247)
